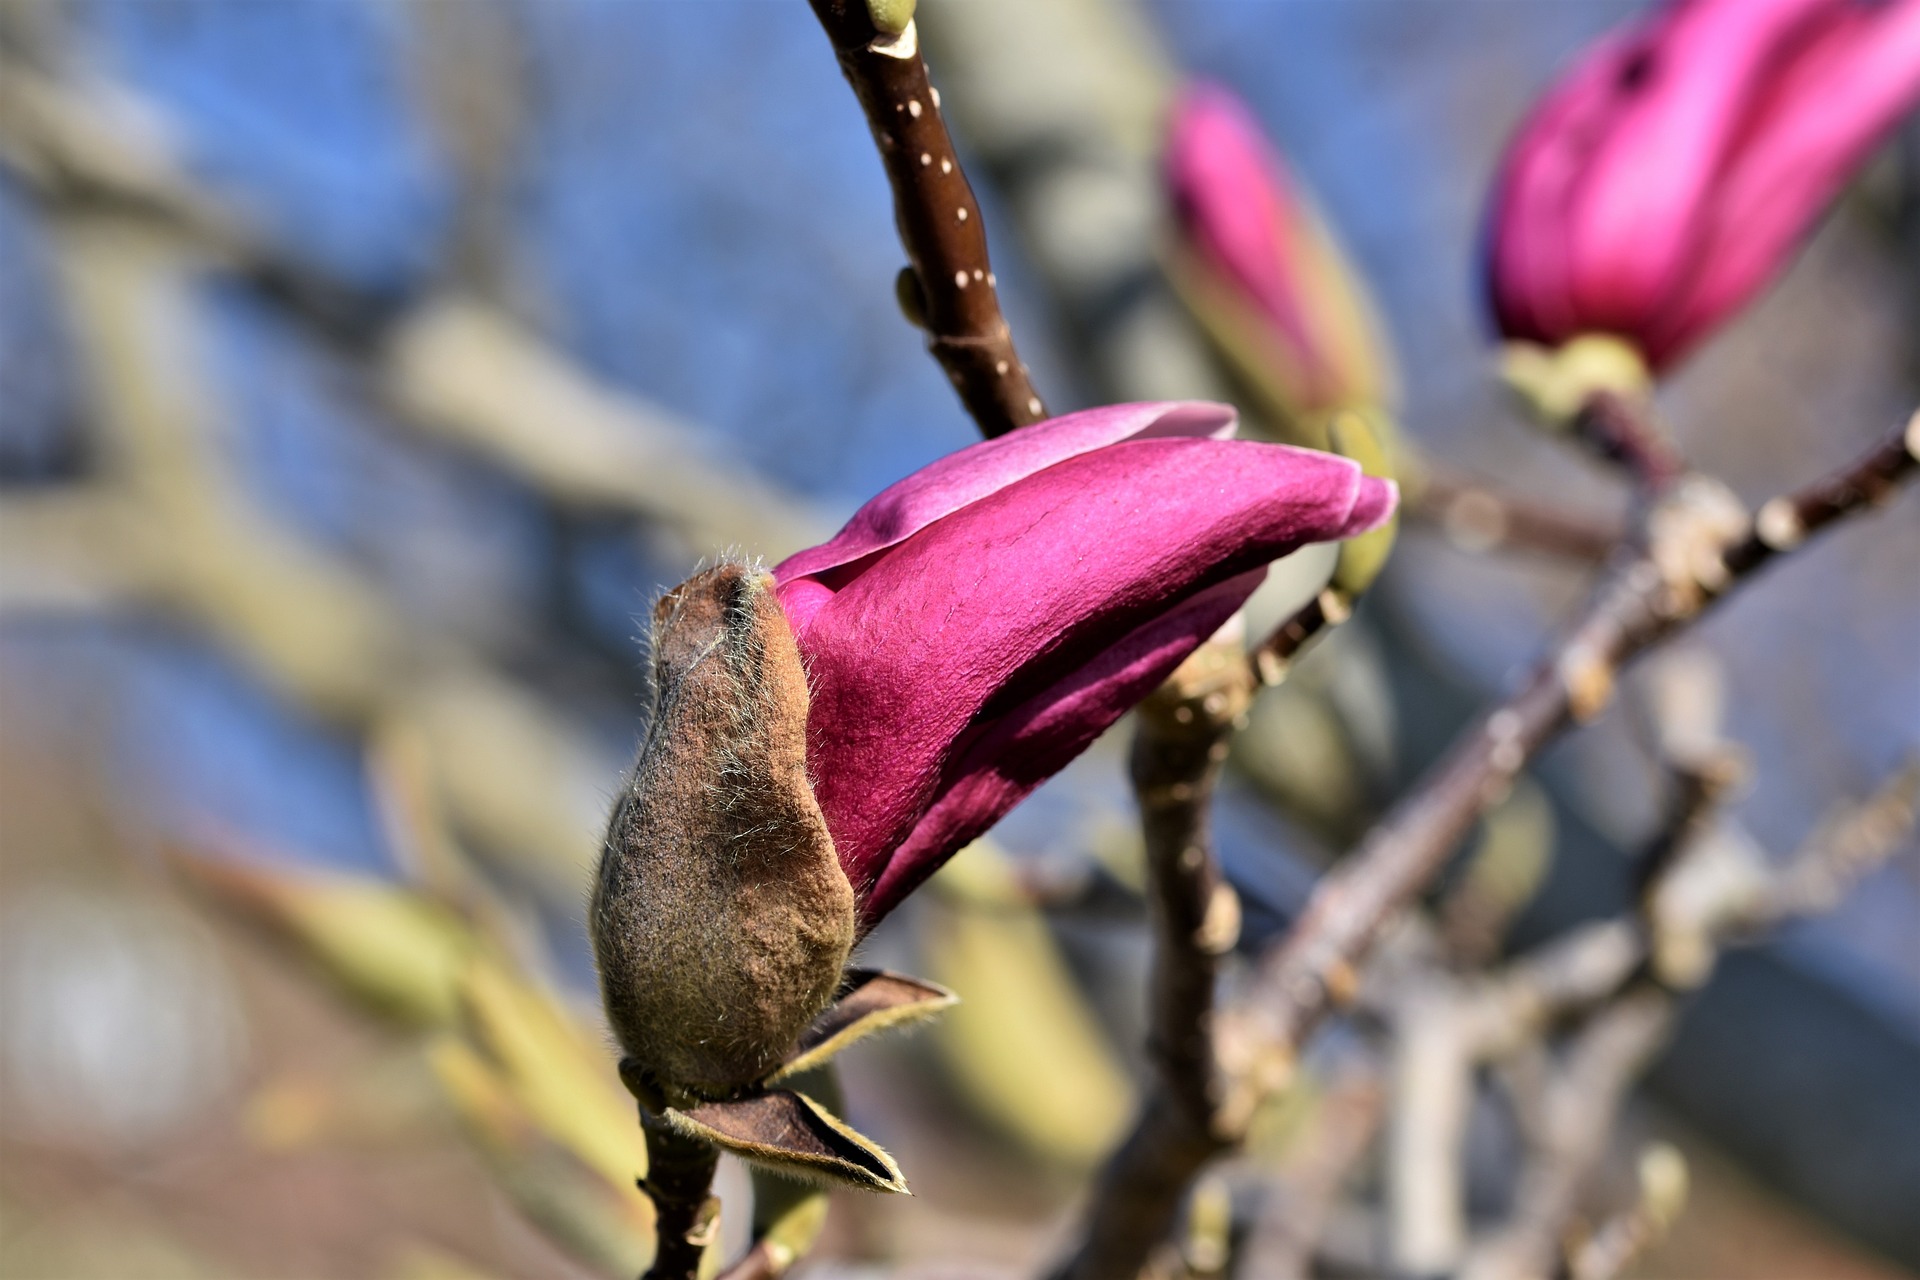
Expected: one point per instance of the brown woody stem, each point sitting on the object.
(1622, 432)
(1316, 966)
(1477, 516)
(679, 1175)
(1633, 608)
(949, 288)
(1274, 655)
(1177, 756)
(1178, 752)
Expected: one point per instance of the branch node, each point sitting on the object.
(1778, 525)
(1220, 928)
(903, 45)
(1588, 678)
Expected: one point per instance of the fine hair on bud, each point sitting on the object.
(721, 918)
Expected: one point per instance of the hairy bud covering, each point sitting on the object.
(721, 918)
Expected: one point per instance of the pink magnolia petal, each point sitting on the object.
(1664, 180)
(1001, 766)
(980, 611)
(1373, 505)
(910, 505)
(1529, 267)
(1841, 100)
(1638, 224)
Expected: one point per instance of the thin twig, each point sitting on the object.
(949, 288)
(1700, 786)
(1634, 608)
(1621, 431)
(1606, 1057)
(1845, 849)
(1178, 753)
(1288, 1231)
(1444, 1028)
(1593, 963)
(1433, 1086)
(1275, 655)
(1621, 1239)
(1785, 522)
(1614, 1247)
(679, 1175)
(1477, 516)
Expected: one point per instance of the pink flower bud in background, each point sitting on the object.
(1262, 271)
(978, 624)
(1665, 179)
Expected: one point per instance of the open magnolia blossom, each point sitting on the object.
(825, 736)
(976, 625)
(1667, 177)
(1262, 271)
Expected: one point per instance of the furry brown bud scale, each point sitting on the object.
(721, 919)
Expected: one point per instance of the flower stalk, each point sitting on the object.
(679, 1178)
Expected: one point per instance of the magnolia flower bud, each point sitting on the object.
(1672, 171)
(976, 625)
(1264, 273)
(721, 919)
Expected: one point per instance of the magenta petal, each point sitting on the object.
(1666, 178)
(910, 505)
(1639, 223)
(1036, 740)
(1010, 595)
(1529, 262)
(1372, 505)
(1845, 94)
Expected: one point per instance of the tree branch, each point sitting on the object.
(679, 1175)
(1633, 608)
(1620, 1240)
(1785, 522)
(1292, 1222)
(948, 288)
(1621, 431)
(1276, 654)
(1178, 752)
(1180, 747)
(1317, 965)
(1605, 1058)
(1478, 516)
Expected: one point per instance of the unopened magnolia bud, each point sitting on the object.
(721, 918)
(1363, 435)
